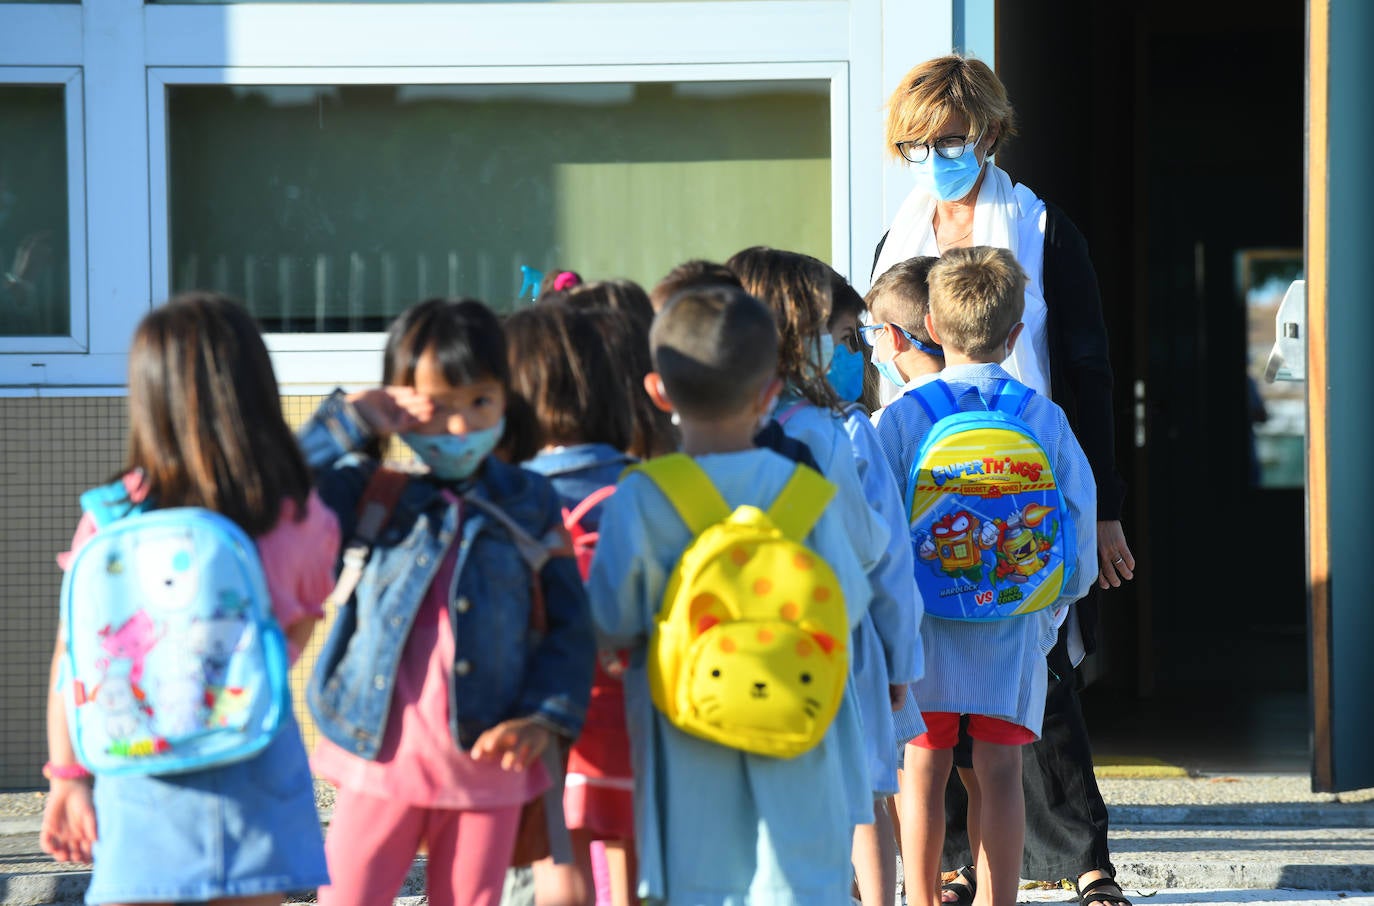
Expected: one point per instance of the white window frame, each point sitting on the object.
(355, 358)
(68, 78)
(125, 53)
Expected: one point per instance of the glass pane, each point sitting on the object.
(332, 208)
(35, 281)
(1278, 411)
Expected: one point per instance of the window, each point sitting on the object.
(329, 208)
(35, 265)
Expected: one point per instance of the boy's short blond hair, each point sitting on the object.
(714, 347)
(977, 295)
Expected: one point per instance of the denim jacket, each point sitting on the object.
(502, 667)
(578, 471)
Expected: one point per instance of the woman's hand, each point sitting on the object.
(68, 830)
(1115, 561)
(392, 410)
(517, 743)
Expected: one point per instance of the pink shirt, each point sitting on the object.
(297, 557)
(419, 763)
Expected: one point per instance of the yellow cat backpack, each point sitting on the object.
(748, 650)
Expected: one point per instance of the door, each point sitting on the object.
(1340, 230)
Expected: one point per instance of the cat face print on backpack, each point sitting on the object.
(764, 675)
(748, 649)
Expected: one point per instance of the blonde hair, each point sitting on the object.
(977, 295)
(938, 90)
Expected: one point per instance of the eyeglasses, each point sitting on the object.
(950, 147)
(869, 333)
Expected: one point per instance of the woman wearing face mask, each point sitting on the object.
(946, 119)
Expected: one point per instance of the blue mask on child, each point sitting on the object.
(453, 457)
(889, 371)
(846, 373)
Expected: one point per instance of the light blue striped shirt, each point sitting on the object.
(715, 826)
(997, 668)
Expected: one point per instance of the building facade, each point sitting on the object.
(332, 162)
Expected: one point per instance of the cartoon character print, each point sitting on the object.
(183, 702)
(230, 706)
(130, 641)
(168, 572)
(1021, 550)
(767, 674)
(954, 546)
(214, 640)
(122, 706)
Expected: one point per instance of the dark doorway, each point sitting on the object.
(1173, 136)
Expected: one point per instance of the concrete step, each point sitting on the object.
(1163, 856)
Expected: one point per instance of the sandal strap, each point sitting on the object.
(1090, 894)
(963, 885)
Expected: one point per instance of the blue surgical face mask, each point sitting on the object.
(950, 180)
(454, 457)
(846, 373)
(889, 371)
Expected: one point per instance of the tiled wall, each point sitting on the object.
(50, 451)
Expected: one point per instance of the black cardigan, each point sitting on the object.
(1080, 372)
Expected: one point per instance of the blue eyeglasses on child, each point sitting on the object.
(869, 333)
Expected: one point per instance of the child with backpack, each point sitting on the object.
(191, 581)
(1001, 498)
(727, 571)
(559, 362)
(464, 650)
(801, 291)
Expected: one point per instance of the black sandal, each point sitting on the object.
(1093, 893)
(963, 885)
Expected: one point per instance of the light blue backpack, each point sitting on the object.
(989, 526)
(173, 661)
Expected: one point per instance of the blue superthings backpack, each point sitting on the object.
(988, 523)
(174, 661)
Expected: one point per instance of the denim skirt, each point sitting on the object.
(245, 829)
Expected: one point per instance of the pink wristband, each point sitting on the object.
(64, 771)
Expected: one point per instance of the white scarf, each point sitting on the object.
(1004, 216)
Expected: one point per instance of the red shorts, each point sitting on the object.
(942, 730)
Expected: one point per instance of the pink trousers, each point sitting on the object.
(372, 843)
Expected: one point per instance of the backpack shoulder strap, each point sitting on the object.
(108, 503)
(936, 399)
(586, 505)
(786, 415)
(801, 502)
(380, 496)
(1011, 398)
(688, 488)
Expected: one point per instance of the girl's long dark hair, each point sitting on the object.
(469, 345)
(205, 418)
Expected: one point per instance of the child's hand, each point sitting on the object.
(897, 695)
(392, 410)
(516, 742)
(69, 821)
